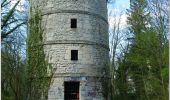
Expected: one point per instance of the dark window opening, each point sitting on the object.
(73, 23)
(74, 54)
(71, 90)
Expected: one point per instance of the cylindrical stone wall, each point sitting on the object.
(90, 38)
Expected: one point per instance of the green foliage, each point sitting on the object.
(38, 80)
(105, 81)
(138, 17)
(142, 72)
(12, 71)
(164, 72)
(12, 60)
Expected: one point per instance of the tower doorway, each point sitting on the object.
(71, 90)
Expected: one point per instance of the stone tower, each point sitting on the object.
(76, 45)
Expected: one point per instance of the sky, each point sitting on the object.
(20, 8)
(117, 9)
(119, 4)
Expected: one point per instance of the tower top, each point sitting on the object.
(97, 7)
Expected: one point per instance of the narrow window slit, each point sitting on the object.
(74, 54)
(74, 23)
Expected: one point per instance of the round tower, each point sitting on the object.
(76, 45)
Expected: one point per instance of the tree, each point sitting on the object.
(37, 74)
(160, 23)
(117, 36)
(114, 34)
(146, 53)
(9, 21)
(13, 59)
(13, 69)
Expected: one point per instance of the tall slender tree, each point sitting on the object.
(146, 53)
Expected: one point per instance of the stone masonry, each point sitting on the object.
(90, 38)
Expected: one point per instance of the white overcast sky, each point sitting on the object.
(118, 9)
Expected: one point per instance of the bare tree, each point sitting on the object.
(12, 18)
(13, 35)
(117, 40)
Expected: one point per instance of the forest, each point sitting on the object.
(139, 52)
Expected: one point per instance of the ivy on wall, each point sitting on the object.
(105, 79)
(38, 79)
